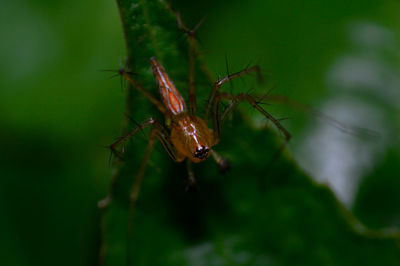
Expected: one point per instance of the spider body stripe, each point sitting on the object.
(171, 97)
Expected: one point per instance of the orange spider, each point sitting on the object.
(186, 135)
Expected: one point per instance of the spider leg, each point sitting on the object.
(193, 43)
(158, 130)
(224, 164)
(134, 192)
(220, 117)
(217, 85)
(345, 128)
(134, 83)
(191, 33)
(191, 183)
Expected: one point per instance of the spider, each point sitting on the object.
(185, 135)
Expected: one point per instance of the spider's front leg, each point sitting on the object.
(191, 183)
(220, 117)
(214, 100)
(217, 85)
(157, 131)
(212, 108)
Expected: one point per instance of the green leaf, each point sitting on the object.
(255, 215)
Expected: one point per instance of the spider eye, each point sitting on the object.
(201, 152)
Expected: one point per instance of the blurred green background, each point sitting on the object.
(57, 109)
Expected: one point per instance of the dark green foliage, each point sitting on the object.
(378, 201)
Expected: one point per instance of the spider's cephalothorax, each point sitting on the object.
(192, 138)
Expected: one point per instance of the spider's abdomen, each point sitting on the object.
(170, 95)
(192, 138)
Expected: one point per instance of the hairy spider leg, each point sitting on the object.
(140, 88)
(195, 48)
(191, 180)
(217, 85)
(159, 131)
(162, 135)
(345, 128)
(134, 192)
(191, 33)
(224, 164)
(219, 118)
(213, 105)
